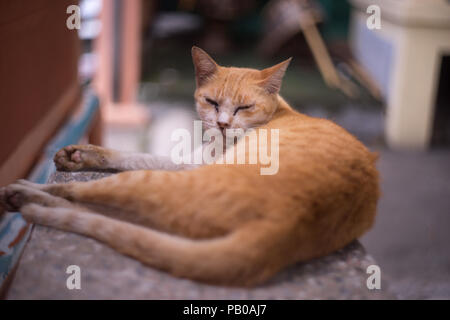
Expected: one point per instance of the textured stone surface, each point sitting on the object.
(106, 274)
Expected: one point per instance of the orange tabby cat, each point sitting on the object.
(223, 224)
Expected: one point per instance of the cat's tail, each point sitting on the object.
(239, 258)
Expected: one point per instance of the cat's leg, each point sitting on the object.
(90, 157)
(164, 200)
(159, 199)
(24, 192)
(244, 257)
(180, 202)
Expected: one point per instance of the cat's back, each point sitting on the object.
(322, 157)
(302, 137)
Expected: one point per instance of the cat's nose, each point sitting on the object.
(223, 121)
(223, 125)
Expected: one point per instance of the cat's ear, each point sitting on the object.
(272, 77)
(204, 65)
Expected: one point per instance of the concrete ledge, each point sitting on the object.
(106, 274)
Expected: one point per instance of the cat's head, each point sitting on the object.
(228, 97)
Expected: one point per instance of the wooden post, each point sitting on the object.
(125, 44)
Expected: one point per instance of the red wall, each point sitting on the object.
(38, 63)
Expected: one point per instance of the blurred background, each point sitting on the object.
(389, 86)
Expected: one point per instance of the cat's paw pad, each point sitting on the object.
(68, 159)
(75, 158)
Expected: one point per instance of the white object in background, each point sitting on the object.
(160, 133)
(404, 57)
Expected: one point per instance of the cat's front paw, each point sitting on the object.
(10, 199)
(23, 192)
(79, 157)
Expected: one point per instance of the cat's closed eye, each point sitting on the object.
(213, 103)
(242, 108)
